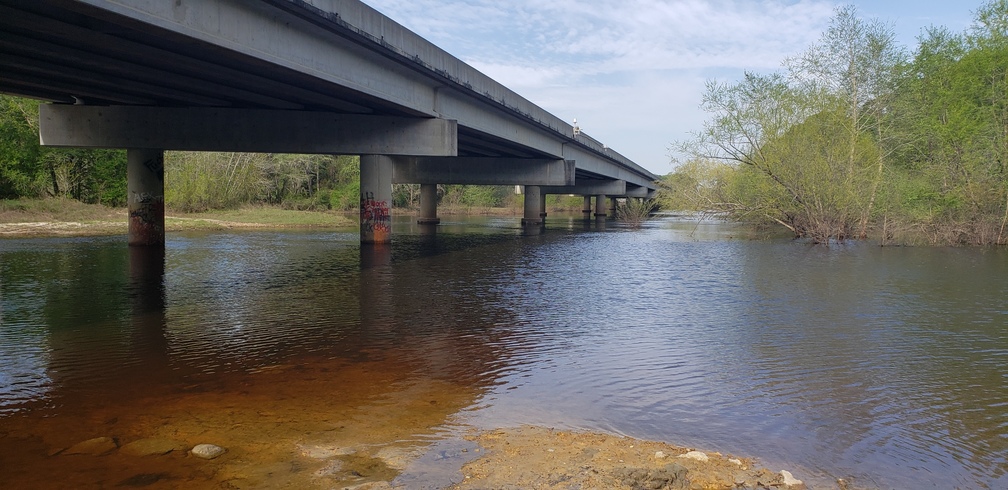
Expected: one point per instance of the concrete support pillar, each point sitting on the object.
(587, 207)
(428, 205)
(532, 203)
(600, 207)
(542, 204)
(145, 197)
(612, 206)
(375, 199)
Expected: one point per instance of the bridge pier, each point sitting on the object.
(428, 205)
(600, 207)
(145, 197)
(532, 215)
(612, 206)
(375, 199)
(542, 205)
(587, 207)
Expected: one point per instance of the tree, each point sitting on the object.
(28, 169)
(749, 128)
(806, 140)
(858, 63)
(953, 118)
(20, 172)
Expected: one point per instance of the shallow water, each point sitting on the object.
(887, 367)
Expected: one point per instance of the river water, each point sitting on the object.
(887, 367)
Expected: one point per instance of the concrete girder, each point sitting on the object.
(589, 188)
(591, 162)
(637, 192)
(351, 46)
(251, 130)
(482, 171)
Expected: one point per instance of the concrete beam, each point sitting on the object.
(589, 188)
(252, 130)
(637, 192)
(482, 171)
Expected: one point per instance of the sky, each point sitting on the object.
(632, 72)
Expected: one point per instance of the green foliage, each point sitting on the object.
(558, 202)
(485, 196)
(406, 195)
(20, 171)
(698, 185)
(346, 197)
(634, 212)
(857, 136)
(201, 181)
(28, 169)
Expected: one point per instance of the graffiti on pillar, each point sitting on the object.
(156, 167)
(146, 218)
(375, 216)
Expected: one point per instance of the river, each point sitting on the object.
(887, 367)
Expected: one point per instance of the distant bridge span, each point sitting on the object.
(296, 76)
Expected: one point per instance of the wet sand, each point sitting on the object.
(536, 457)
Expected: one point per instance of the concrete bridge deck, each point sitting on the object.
(315, 76)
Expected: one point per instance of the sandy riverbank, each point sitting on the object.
(111, 221)
(535, 457)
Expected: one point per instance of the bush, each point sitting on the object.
(635, 212)
(345, 197)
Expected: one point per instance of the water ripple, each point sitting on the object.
(885, 365)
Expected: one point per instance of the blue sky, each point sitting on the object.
(632, 72)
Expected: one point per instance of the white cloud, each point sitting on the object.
(630, 71)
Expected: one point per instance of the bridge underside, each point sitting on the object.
(285, 76)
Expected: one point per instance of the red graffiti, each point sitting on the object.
(375, 216)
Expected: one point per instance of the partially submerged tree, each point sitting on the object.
(805, 139)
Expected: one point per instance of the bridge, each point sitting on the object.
(290, 76)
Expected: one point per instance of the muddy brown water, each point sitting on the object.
(316, 363)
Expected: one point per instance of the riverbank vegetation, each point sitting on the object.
(634, 212)
(857, 137)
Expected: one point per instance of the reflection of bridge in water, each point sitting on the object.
(291, 76)
(271, 341)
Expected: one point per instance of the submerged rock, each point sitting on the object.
(207, 451)
(94, 447)
(322, 451)
(151, 447)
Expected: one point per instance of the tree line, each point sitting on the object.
(858, 137)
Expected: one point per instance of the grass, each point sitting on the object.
(66, 217)
(56, 209)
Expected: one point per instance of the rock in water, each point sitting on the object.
(789, 479)
(151, 447)
(207, 451)
(94, 447)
